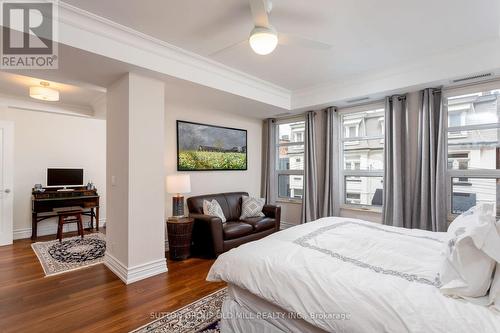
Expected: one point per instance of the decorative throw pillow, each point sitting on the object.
(252, 207)
(206, 203)
(213, 208)
(471, 253)
(479, 223)
(467, 218)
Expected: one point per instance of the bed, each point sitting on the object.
(343, 275)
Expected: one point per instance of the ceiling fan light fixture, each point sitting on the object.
(263, 40)
(44, 93)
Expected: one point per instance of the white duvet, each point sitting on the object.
(347, 275)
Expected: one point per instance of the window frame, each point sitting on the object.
(353, 140)
(474, 173)
(278, 172)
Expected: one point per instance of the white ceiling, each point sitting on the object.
(367, 35)
(18, 85)
(82, 78)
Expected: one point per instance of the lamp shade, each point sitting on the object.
(178, 184)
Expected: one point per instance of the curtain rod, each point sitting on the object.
(400, 97)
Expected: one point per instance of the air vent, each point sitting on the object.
(283, 114)
(358, 100)
(473, 77)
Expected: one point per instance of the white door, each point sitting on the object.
(6, 181)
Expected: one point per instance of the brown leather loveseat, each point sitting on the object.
(211, 237)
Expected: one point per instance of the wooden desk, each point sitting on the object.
(44, 203)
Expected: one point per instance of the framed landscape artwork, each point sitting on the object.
(206, 147)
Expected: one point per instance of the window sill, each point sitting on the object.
(290, 201)
(362, 209)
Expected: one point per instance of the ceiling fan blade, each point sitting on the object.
(219, 51)
(293, 40)
(259, 13)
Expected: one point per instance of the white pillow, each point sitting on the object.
(470, 253)
(213, 208)
(494, 298)
(479, 222)
(252, 207)
(468, 217)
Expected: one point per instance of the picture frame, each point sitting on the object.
(205, 147)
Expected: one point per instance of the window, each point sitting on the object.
(459, 161)
(362, 160)
(381, 122)
(353, 198)
(455, 119)
(351, 131)
(473, 132)
(290, 159)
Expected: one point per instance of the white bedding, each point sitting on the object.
(383, 279)
(242, 311)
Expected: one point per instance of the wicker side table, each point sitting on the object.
(179, 237)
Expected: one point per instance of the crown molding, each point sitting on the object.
(434, 70)
(84, 30)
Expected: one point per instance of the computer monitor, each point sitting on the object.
(64, 177)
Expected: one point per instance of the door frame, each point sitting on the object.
(7, 198)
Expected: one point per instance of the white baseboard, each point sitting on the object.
(133, 274)
(285, 225)
(49, 228)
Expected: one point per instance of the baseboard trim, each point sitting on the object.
(49, 229)
(136, 273)
(116, 266)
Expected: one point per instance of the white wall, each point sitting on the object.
(117, 167)
(44, 140)
(206, 182)
(146, 173)
(136, 178)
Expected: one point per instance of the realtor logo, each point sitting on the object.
(28, 34)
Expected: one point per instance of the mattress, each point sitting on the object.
(348, 275)
(243, 311)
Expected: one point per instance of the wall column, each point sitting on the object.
(135, 178)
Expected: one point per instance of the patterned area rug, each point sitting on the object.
(70, 254)
(201, 316)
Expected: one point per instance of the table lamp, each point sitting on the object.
(178, 184)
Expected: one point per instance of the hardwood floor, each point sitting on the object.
(91, 299)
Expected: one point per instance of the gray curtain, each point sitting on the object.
(269, 161)
(429, 189)
(331, 191)
(397, 177)
(310, 197)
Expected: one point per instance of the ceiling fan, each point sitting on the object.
(264, 37)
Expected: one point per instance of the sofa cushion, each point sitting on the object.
(236, 229)
(260, 223)
(251, 207)
(213, 208)
(234, 205)
(229, 202)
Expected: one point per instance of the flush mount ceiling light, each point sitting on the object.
(44, 93)
(263, 40)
